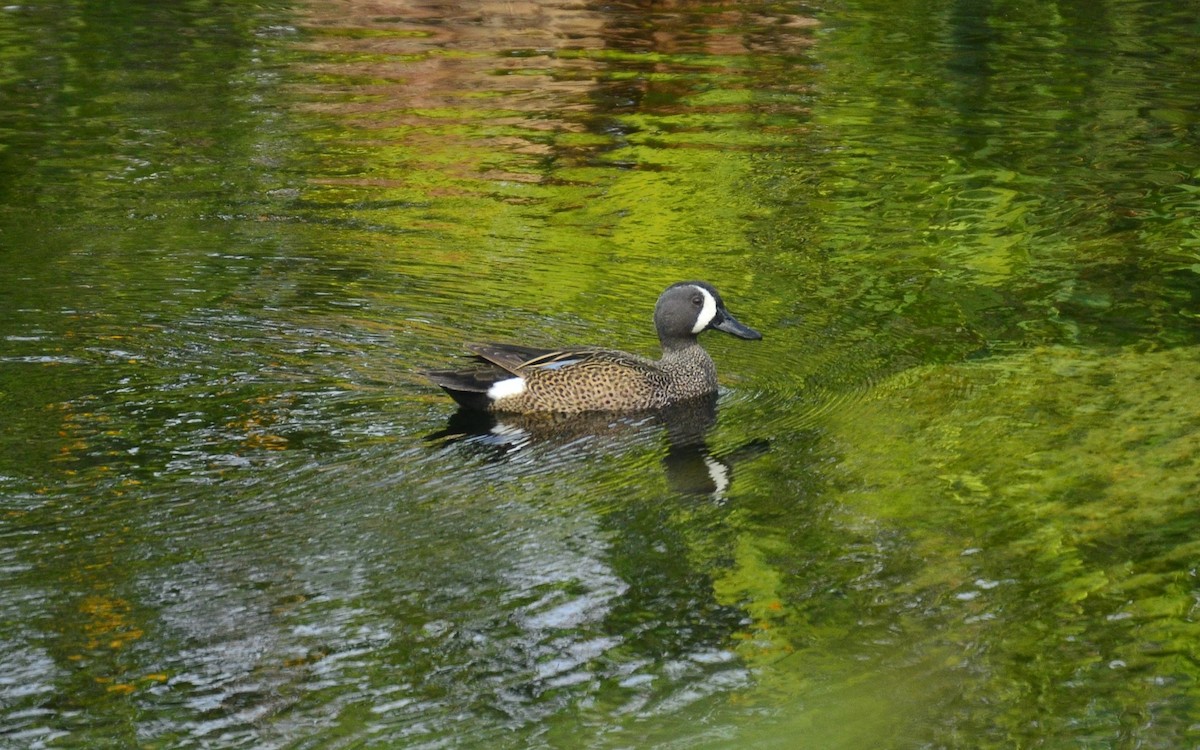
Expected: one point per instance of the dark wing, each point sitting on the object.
(469, 385)
(562, 358)
(476, 379)
(508, 356)
(515, 358)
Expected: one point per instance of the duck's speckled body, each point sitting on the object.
(509, 378)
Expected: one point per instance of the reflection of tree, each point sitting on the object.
(1045, 503)
(1046, 179)
(132, 91)
(567, 132)
(470, 95)
(133, 132)
(133, 135)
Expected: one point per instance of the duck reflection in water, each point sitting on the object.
(690, 467)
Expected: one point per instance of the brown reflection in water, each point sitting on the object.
(512, 77)
(416, 64)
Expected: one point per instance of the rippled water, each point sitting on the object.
(948, 501)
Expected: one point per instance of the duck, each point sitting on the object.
(510, 378)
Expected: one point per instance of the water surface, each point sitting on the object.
(948, 501)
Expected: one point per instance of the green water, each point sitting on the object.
(950, 500)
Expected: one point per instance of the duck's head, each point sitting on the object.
(686, 309)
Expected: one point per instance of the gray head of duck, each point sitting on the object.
(686, 309)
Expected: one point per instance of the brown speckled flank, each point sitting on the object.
(588, 379)
(611, 380)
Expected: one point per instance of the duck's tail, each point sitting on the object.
(467, 387)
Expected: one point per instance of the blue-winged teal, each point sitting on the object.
(507, 378)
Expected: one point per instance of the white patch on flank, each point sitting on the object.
(707, 313)
(505, 388)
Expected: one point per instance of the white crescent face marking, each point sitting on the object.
(505, 388)
(707, 313)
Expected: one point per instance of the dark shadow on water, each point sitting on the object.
(690, 467)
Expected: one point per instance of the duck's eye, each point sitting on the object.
(698, 301)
